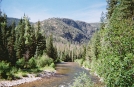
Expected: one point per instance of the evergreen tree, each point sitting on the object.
(50, 50)
(1, 39)
(111, 5)
(11, 43)
(126, 8)
(27, 29)
(33, 41)
(28, 38)
(40, 40)
(49, 47)
(20, 40)
(4, 42)
(102, 20)
(41, 44)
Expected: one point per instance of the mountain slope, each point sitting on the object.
(11, 20)
(64, 29)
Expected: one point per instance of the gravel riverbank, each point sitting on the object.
(29, 78)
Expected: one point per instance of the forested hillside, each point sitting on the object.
(65, 30)
(110, 52)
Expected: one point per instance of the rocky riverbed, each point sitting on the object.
(29, 78)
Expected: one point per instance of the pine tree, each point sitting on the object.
(33, 41)
(126, 8)
(4, 42)
(28, 38)
(40, 40)
(11, 43)
(37, 31)
(111, 5)
(50, 50)
(27, 31)
(1, 21)
(20, 40)
(1, 39)
(102, 20)
(49, 47)
(41, 43)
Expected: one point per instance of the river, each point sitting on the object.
(66, 72)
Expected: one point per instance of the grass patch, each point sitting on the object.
(47, 68)
(21, 74)
(83, 80)
(24, 73)
(83, 63)
(12, 73)
(86, 64)
(79, 61)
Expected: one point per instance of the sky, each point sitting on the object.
(38, 10)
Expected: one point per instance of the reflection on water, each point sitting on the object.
(63, 78)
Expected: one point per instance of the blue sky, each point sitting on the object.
(83, 10)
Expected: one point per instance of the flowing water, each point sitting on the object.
(66, 72)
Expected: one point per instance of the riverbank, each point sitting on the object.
(66, 72)
(29, 78)
(63, 76)
(98, 81)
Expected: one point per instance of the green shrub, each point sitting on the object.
(82, 81)
(24, 75)
(11, 73)
(44, 61)
(52, 65)
(4, 68)
(7, 72)
(79, 61)
(32, 63)
(20, 63)
(86, 64)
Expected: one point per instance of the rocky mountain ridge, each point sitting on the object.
(68, 29)
(64, 29)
